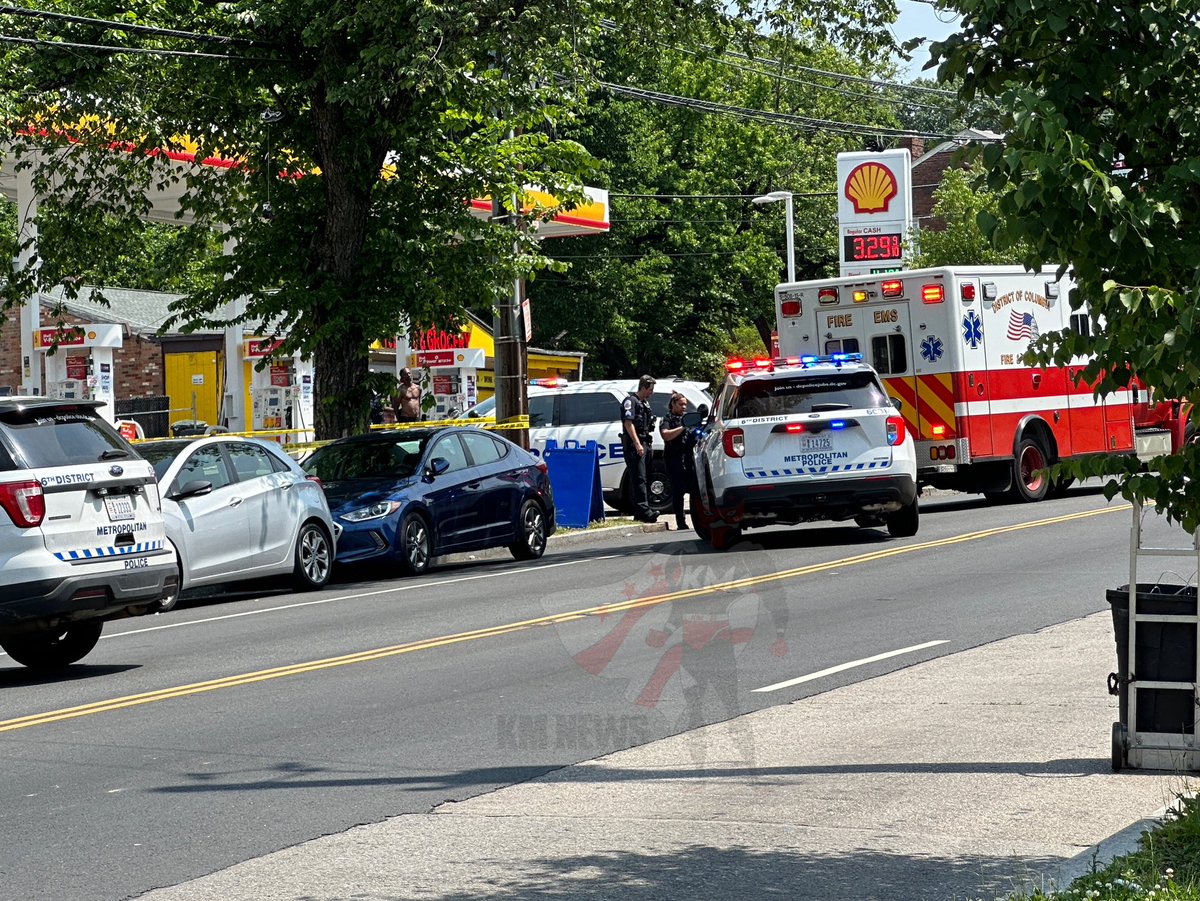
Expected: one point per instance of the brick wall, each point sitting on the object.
(138, 363)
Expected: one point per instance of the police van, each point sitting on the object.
(574, 413)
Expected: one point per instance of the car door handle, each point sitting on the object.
(286, 485)
(473, 484)
(235, 502)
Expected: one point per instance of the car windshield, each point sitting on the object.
(49, 437)
(161, 454)
(808, 394)
(391, 457)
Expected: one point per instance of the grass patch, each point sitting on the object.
(1165, 867)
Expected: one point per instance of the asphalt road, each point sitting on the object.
(238, 725)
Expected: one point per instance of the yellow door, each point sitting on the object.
(193, 375)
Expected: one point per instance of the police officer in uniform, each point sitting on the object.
(637, 429)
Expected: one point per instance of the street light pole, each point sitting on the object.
(786, 197)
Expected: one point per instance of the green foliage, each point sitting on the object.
(1083, 88)
(312, 101)
(1165, 867)
(690, 258)
(961, 200)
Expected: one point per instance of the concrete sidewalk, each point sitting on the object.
(963, 777)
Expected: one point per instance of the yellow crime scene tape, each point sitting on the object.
(512, 423)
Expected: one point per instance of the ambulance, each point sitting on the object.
(949, 346)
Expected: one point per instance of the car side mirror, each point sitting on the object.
(702, 411)
(897, 403)
(691, 420)
(195, 488)
(438, 466)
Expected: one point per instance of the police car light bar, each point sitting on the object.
(556, 382)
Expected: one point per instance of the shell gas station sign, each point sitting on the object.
(874, 210)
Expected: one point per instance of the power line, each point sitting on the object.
(804, 122)
(149, 51)
(124, 26)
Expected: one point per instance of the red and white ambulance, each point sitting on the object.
(949, 345)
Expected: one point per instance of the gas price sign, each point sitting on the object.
(867, 248)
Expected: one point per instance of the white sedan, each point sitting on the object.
(240, 508)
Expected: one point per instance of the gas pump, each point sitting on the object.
(281, 392)
(81, 368)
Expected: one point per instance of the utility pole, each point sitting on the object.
(508, 335)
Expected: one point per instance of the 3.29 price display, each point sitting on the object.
(859, 248)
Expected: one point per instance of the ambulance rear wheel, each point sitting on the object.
(1030, 479)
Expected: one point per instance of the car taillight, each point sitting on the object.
(541, 465)
(320, 484)
(895, 430)
(734, 441)
(24, 503)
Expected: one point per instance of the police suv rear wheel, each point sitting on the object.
(54, 650)
(660, 487)
(700, 519)
(723, 537)
(904, 522)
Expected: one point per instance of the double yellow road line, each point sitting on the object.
(296, 669)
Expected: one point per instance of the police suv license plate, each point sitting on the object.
(120, 507)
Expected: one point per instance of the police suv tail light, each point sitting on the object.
(24, 503)
(895, 430)
(734, 442)
(794, 428)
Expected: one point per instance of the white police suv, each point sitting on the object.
(82, 538)
(801, 439)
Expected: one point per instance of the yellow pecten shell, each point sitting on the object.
(871, 186)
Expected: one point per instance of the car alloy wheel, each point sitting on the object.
(314, 557)
(532, 542)
(415, 549)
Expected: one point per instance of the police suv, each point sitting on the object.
(82, 538)
(801, 439)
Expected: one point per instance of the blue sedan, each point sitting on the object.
(409, 495)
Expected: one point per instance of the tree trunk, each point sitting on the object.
(343, 403)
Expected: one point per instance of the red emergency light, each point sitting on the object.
(789, 308)
(932, 294)
(892, 288)
(967, 291)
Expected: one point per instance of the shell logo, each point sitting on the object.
(871, 187)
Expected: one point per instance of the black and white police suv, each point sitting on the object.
(800, 439)
(82, 538)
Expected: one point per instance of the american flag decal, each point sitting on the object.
(1022, 326)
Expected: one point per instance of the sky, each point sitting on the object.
(919, 19)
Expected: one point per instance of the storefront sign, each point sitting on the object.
(470, 358)
(257, 348)
(78, 336)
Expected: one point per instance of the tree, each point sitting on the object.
(690, 260)
(310, 102)
(959, 201)
(1100, 170)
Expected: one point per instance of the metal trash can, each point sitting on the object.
(1165, 652)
